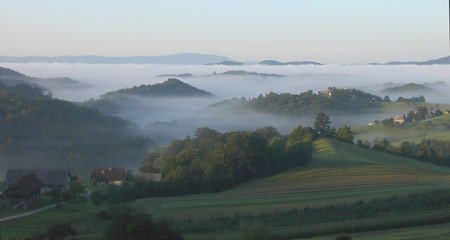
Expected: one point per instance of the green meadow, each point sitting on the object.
(338, 173)
(436, 128)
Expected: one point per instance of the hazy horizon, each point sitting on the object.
(327, 31)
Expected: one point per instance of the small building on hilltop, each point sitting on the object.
(108, 175)
(399, 120)
(150, 177)
(25, 192)
(50, 178)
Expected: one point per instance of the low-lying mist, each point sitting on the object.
(164, 119)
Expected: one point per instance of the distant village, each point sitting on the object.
(24, 187)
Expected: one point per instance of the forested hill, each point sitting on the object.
(410, 87)
(335, 99)
(40, 131)
(11, 77)
(171, 87)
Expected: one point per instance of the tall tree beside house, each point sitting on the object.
(76, 194)
(59, 195)
(322, 124)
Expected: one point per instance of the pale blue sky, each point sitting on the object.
(330, 31)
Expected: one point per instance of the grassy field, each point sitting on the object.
(437, 128)
(338, 172)
(85, 222)
(407, 228)
(436, 232)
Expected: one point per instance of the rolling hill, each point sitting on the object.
(40, 131)
(436, 128)
(11, 77)
(338, 172)
(246, 74)
(410, 87)
(171, 87)
(113, 102)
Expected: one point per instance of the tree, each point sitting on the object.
(322, 124)
(410, 116)
(59, 195)
(76, 194)
(405, 148)
(422, 112)
(345, 134)
(383, 144)
(387, 98)
(97, 198)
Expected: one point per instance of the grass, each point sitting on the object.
(338, 172)
(403, 224)
(437, 128)
(84, 221)
(45, 201)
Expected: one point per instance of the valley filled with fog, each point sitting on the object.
(166, 118)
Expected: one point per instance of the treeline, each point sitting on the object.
(421, 114)
(335, 99)
(60, 134)
(376, 207)
(419, 99)
(24, 90)
(428, 150)
(212, 161)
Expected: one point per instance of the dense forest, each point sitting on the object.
(171, 87)
(310, 103)
(10, 77)
(212, 161)
(39, 131)
(111, 102)
(410, 87)
(335, 99)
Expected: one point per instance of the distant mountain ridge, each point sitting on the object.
(444, 60)
(246, 73)
(181, 58)
(276, 63)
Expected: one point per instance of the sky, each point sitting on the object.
(328, 31)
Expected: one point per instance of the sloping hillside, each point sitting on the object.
(40, 131)
(338, 172)
(11, 77)
(436, 128)
(171, 87)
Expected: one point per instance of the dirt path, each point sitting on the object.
(27, 213)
